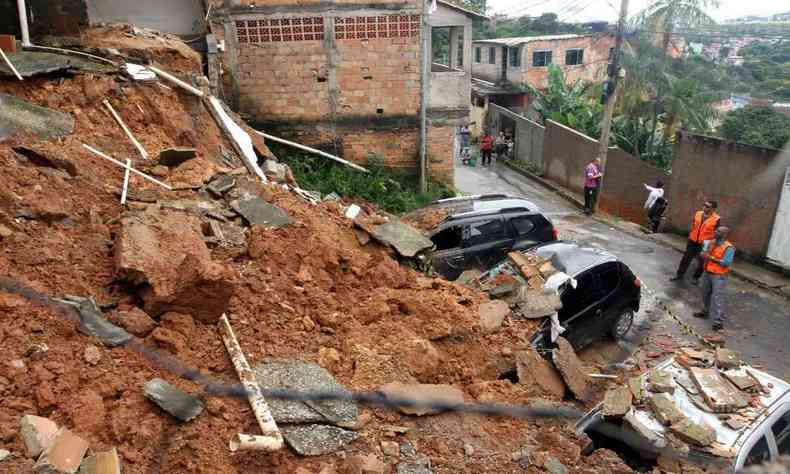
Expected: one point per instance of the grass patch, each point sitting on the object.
(392, 190)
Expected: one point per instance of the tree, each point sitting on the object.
(569, 104)
(662, 17)
(685, 102)
(759, 126)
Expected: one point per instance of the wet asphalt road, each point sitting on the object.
(759, 321)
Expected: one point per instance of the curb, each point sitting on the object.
(611, 221)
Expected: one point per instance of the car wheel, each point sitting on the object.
(623, 324)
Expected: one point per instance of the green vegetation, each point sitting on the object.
(758, 126)
(573, 105)
(769, 66)
(393, 190)
(545, 24)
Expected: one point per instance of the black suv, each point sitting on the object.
(604, 301)
(478, 231)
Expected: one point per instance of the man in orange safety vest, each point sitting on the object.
(703, 226)
(717, 255)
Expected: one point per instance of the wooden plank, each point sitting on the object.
(717, 392)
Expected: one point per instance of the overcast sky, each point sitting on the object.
(587, 10)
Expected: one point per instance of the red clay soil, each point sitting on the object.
(308, 291)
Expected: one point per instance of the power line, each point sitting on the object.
(87, 309)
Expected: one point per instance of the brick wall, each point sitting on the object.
(441, 152)
(348, 82)
(596, 55)
(566, 152)
(745, 180)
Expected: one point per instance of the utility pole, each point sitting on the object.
(425, 65)
(610, 93)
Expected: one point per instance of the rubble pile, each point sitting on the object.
(297, 280)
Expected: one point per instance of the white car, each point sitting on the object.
(763, 439)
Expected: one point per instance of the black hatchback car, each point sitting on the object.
(606, 297)
(478, 231)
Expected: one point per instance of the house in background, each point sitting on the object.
(503, 68)
(346, 76)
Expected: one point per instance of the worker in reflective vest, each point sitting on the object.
(717, 255)
(703, 226)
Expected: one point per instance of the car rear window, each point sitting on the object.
(523, 225)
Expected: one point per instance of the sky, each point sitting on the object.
(588, 10)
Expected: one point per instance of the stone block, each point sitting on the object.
(106, 462)
(534, 369)
(572, 370)
(492, 315)
(665, 410)
(697, 434)
(660, 381)
(63, 456)
(617, 402)
(37, 434)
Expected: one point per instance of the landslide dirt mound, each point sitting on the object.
(308, 290)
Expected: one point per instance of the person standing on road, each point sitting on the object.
(592, 182)
(654, 205)
(717, 255)
(703, 227)
(486, 145)
(500, 146)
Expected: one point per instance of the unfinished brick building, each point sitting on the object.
(346, 75)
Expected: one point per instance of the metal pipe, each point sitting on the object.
(128, 132)
(272, 439)
(126, 181)
(173, 79)
(122, 165)
(10, 65)
(23, 22)
(311, 150)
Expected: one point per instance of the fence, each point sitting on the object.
(527, 135)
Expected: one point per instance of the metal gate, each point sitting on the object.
(779, 247)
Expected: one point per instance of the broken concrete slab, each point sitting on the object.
(193, 206)
(4, 454)
(637, 387)
(532, 368)
(32, 63)
(259, 212)
(741, 379)
(303, 376)
(572, 369)
(20, 116)
(222, 184)
(492, 314)
(428, 399)
(419, 465)
(617, 402)
(93, 323)
(163, 253)
(317, 440)
(405, 239)
(175, 401)
(718, 394)
(106, 462)
(727, 359)
(37, 434)
(536, 303)
(63, 456)
(697, 434)
(665, 409)
(172, 157)
(660, 381)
